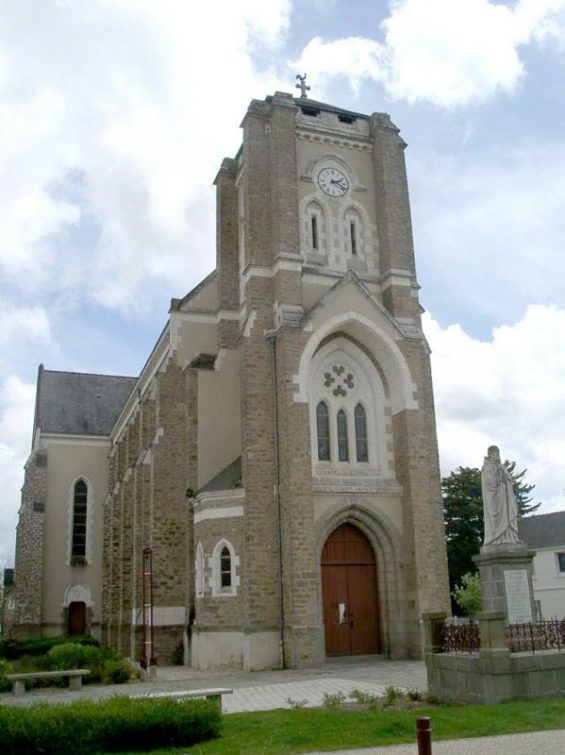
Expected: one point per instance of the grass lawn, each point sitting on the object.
(285, 732)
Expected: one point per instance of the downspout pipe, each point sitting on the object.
(271, 336)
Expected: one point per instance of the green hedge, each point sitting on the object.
(111, 725)
(104, 665)
(13, 649)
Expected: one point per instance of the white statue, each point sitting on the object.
(499, 501)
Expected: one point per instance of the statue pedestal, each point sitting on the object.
(506, 581)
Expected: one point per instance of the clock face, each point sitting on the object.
(333, 182)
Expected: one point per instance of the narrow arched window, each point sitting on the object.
(342, 442)
(314, 220)
(361, 433)
(199, 571)
(323, 430)
(225, 568)
(353, 237)
(80, 496)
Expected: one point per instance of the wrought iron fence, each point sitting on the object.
(535, 636)
(459, 637)
(464, 636)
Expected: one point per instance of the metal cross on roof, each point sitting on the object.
(302, 85)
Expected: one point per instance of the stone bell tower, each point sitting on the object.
(315, 249)
(333, 542)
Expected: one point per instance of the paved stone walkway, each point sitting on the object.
(259, 690)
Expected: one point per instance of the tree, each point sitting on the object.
(463, 516)
(467, 595)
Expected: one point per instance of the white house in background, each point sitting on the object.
(545, 534)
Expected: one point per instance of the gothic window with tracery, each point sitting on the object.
(348, 417)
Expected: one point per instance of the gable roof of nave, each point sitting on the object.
(77, 403)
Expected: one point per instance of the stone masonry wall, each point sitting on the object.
(29, 547)
(149, 508)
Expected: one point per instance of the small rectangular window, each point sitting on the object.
(346, 119)
(561, 562)
(353, 237)
(312, 112)
(314, 232)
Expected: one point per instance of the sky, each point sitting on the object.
(115, 116)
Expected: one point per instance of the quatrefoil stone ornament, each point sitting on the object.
(346, 380)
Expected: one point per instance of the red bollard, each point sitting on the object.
(424, 735)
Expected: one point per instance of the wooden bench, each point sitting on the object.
(74, 676)
(214, 694)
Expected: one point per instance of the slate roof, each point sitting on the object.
(543, 530)
(75, 403)
(228, 479)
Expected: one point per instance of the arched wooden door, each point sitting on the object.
(77, 617)
(349, 590)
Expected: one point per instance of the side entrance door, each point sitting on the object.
(77, 617)
(349, 592)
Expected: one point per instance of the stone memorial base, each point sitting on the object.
(506, 581)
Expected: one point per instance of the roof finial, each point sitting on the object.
(302, 85)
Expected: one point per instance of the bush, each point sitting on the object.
(5, 668)
(64, 657)
(119, 723)
(118, 671)
(12, 649)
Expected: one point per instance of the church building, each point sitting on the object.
(266, 492)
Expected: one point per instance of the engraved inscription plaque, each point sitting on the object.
(518, 597)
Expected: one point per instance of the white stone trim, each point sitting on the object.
(220, 495)
(248, 327)
(163, 616)
(219, 513)
(227, 314)
(78, 440)
(269, 271)
(77, 593)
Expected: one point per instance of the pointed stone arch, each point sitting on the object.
(384, 538)
(377, 341)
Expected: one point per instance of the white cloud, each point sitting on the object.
(492, 226)
(450, 53)
(17, 401)
(440, 51)
(113, 123)
(506, 391)
(22, 324)
(354, 58)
